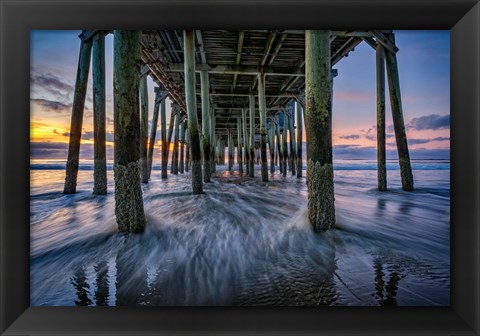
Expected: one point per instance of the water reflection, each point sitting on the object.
(102, 282)
(79, 282)
(386, 294)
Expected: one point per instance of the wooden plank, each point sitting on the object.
(383, 40)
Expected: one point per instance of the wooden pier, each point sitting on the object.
(249, 89)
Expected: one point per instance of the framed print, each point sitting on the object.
(256, 168)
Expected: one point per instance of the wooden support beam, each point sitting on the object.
(99, 118)
(263, 126)
(181, 163)
(129, 210)
(398, 122)
(299, 140)
(371, 42)
(279, 143)
(251, 141)
(176, 135)
(246, 93)
(200, 44)
(271, 146)
(381, 151)
(239, 145)
(241, 37)
(194, 136)
(153, 130)
(143, 129)
(213, 140)
(385, 41)
(230, 151)
(318, 97)
(291, 131)
(187, 149)
(165, 142)
(222, 69)
(205, 125)
(347, 48)
(284, 144)
(277, 48)
(77, 117)
(245, 139)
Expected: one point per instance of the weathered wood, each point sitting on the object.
(230, 150)
(222, 69)
(187, 149)
(171, 124)
(99, 118)
(284, 144)
(291, 132)
(318, 97)
(398, 122)
(263, 126)
(381, 151)
(194, 136)
(143, 129)
(384, 41)
(213, 141)
(165, 145)
(78, 105)
(175, 155)
(239, 145)
(206, 125)
(279, 144)
(153, 130)
(245, 140)
(271, 146)
(251, 141)
(181, 164)
(299, 140)
(129, 211)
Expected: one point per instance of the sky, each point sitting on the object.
(424, 71)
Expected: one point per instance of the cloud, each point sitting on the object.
(52, 105)
(52, 84)
(430, 122)
(350, 137)
(59, 150)
(89, 136)
(421, 141)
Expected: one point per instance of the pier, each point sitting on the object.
(249, 89)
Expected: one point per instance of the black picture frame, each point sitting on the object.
(18, 17)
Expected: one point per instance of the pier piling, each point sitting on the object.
(381, 151)
(143, 129)
(153, 130)
(318, 96)
(263, 126)
(163, 126)
(99, 118)
(78, 106)
(239, 145)
(129, 210)
(251, 141)
(299, 140)
(194, 136)
(398, 122)
(206, 125)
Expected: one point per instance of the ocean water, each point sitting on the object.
(244, 242)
